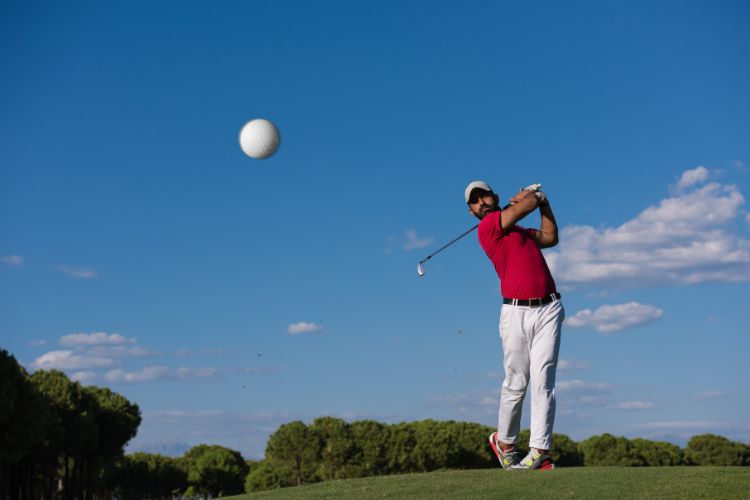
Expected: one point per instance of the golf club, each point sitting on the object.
(420, 267)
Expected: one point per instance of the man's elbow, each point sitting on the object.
(549, 240)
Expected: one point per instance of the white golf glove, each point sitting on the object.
(532, 187)
(541, 197)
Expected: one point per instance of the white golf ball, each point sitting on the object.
(259, 138)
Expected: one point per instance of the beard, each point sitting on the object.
(484, 210)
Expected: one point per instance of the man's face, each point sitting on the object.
(482, 202)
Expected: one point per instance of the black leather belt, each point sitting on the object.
(533, 302)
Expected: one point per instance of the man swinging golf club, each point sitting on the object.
(530, 319)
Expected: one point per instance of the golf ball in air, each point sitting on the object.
(259, 138)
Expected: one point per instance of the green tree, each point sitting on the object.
(263, 476)
(401, 441)
(609, 450)
(658, 453)
(565, 451)
(293, 451)
(132, 477)
(27, 429)
(474, 451)
(336, 448)
(216, 470)
(435, 446)
(80, 432)
(710, 449)
(371, 445)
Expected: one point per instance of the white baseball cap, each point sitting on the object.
(476, 185)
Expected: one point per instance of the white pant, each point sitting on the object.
(531, 343)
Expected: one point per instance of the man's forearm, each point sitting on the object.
(548, 228)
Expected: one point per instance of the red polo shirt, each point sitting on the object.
(519, 262)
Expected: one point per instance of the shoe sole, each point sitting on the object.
(497, 452)
(544, 464)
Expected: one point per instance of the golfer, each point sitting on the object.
(530, 319)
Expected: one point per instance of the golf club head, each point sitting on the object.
(420, 269)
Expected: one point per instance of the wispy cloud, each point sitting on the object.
(245, 432)
(710, 395)
(614, 318)
(303, 327)
(121, 351)
(581, 386)
(12, 260)
(97, 338)
(682, 430)
(37, 343)
(145, 374)
(692, 177)
(570, 364)
(695, 425)
(632, 405)
(476, 402)
(409, 241)
(152, 373)
(684, 239)
(78, 272)
(414, 241)
(84, 377)
(69, 360)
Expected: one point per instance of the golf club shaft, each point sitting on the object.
(453, 241)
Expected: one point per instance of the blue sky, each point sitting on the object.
(141, 250)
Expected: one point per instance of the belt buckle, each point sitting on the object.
(535, 302)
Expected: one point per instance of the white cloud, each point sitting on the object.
(683, 430)
(570, 364)
(185, 373)
(146, 374)
(12, 260)
(614, 318)
(413, 241)
(79, 272)
(245, 432)
(689, 178)
(303, 327)
(68, 360)
(581, 386)
(632, 405)
(120, 351)
(474, 402)
(37, 343)
(683, 240)
(747, 220)
(703, 425)
(92, 339)
(84, 377)
(710, 395)
(151, 373)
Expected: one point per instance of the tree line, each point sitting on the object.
(59, 439)
(330, 448)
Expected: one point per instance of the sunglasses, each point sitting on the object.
(477, 194)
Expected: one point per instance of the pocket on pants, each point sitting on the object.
(506, 321)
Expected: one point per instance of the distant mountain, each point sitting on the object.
(167, 448)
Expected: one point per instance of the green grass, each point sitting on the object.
(650, 483)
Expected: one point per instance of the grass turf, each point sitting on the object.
(576, 482)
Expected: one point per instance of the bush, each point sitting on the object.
(658, 453)
(262, 477)
(709, 449)
(607, 450)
